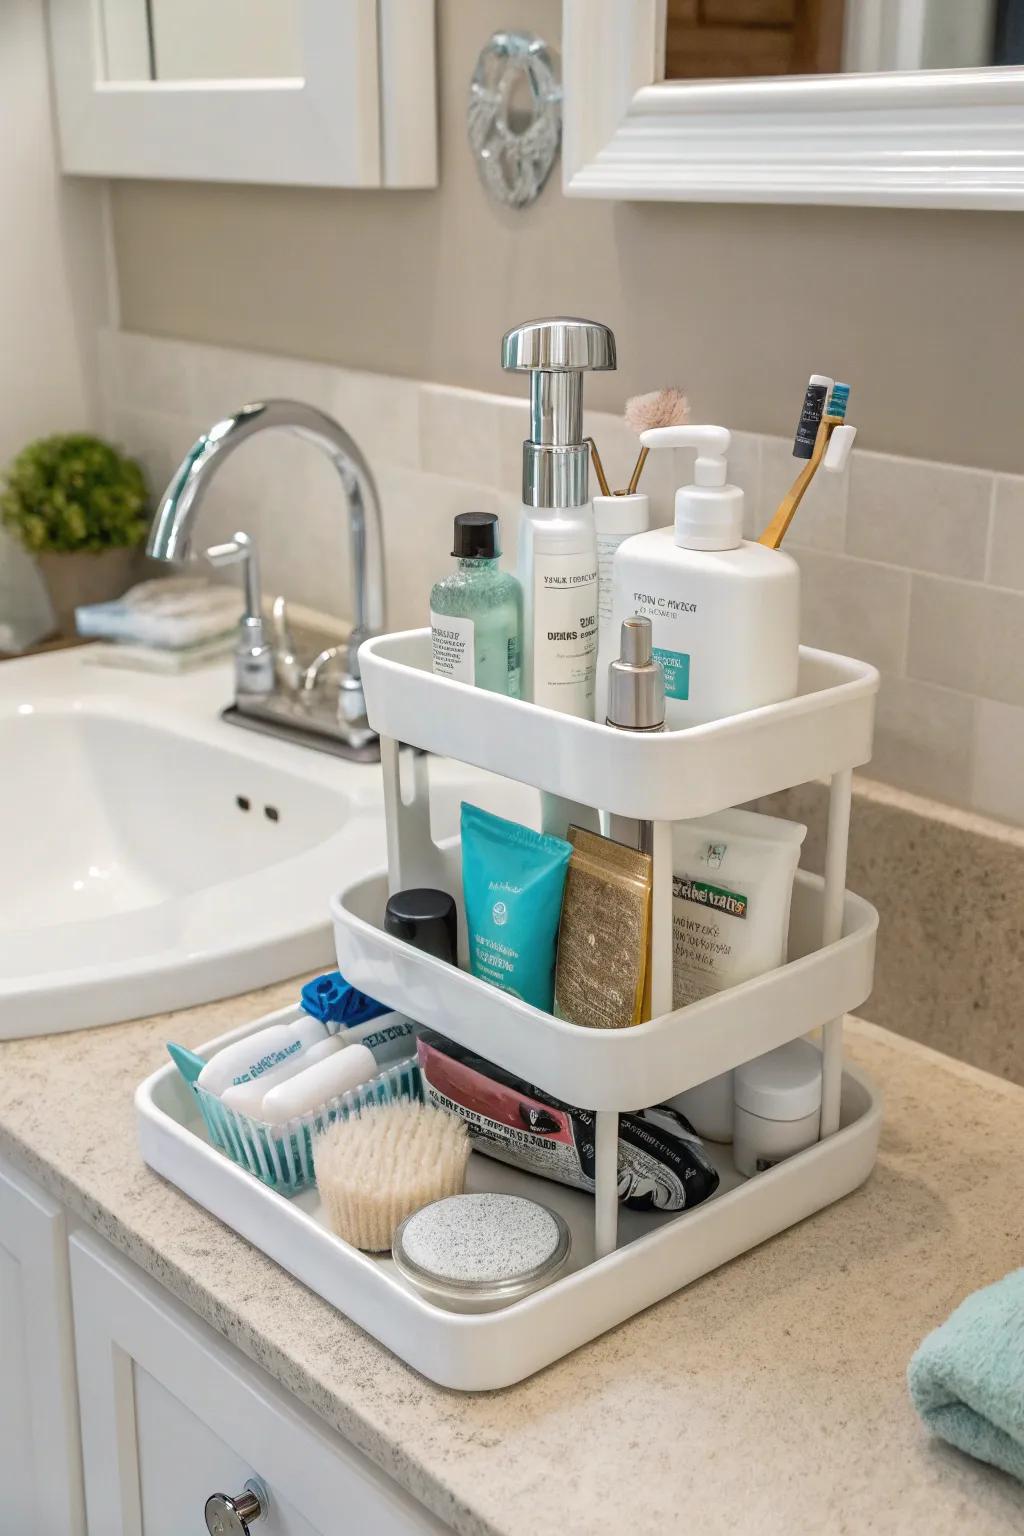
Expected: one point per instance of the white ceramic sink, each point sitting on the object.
(153, 858)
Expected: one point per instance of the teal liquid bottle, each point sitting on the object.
(476, 612)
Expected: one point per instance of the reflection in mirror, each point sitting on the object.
(736, 39)
(200, 40)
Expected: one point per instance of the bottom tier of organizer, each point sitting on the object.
(656, 1253)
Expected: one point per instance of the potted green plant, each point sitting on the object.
(80, 507)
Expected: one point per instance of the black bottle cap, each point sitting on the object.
(426, 919)
(476, 536)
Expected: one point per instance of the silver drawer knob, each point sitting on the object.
(226, 1516)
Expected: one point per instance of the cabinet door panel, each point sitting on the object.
(40, 1469)
(171, 1414)
(174, 1487)
(17, 1470)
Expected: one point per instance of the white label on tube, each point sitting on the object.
(565, 632)
(453, 648)
(607, 544)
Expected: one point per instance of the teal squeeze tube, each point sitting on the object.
(512, 884)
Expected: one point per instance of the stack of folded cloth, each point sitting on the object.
(169, 625)
(967, 1378)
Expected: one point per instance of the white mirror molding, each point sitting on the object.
(362, 114)
(928, 139)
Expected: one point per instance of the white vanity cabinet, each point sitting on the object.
(171, 1414)
(160, 1413)
(40, 1472)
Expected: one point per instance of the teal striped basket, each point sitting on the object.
(281, 1156)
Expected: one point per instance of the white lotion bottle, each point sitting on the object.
(557, 541)
(725, 612)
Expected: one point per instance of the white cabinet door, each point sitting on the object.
(40, 1471)
(171, 1413)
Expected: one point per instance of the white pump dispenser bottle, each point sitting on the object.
(557, 542)
(725, 612)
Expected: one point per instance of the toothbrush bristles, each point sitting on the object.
(838, 400)
(661, 408)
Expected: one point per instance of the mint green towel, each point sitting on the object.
(967, 1378)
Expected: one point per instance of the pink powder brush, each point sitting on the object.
(661, 408)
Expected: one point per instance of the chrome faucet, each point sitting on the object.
(273, 692)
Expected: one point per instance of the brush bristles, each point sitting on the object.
(838, 400)
(375, 1169)
(661, 408)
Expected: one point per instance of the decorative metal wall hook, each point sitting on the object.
(514, 148)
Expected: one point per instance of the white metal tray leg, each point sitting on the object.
(414, 859)
(839, 802)
(606, 1182)
(661, 919)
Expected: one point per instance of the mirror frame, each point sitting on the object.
(363, 114)
(929, 139)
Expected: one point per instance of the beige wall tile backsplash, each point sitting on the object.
(1006, 553)
(927, 517)
(967, 636)
(948, 645)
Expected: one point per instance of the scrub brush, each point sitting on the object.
(661, 408)
(375, 1169)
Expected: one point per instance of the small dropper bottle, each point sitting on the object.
(636, 702)
(636, 682)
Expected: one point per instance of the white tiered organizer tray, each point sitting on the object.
(622, 1262)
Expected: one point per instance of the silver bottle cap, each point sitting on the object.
(556, 353)
(636, 682)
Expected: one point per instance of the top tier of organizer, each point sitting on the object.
(668, 776)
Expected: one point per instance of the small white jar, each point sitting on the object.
(777, 1107)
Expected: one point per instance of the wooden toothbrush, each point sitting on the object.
(833, 418)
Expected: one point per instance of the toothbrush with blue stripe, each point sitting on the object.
(823, 438)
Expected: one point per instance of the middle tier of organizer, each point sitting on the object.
(623, 1069)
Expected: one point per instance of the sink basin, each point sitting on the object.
(105, 817)
(154, 858)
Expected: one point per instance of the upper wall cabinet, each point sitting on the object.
(329, 93)
(912, 103)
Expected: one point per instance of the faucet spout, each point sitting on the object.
(170, 537)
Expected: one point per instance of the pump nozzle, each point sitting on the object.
(709, 513)
(556, 353)
(711, 443)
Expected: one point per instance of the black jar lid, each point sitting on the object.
(425, 918)
(476, 536)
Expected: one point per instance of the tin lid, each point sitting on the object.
(481, 1250)
(783, 1085)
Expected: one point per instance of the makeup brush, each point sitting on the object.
(661, 408)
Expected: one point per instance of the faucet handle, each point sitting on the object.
(254, 660)
(240, 550)
(230, 553)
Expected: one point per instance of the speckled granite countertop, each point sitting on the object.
(767, 1397)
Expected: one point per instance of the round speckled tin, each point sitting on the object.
(475, 1253)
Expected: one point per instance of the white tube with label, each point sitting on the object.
(558, 572)
(615, 518)
(732, 883)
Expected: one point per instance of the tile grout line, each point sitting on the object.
(905, 656)
(990, 532)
